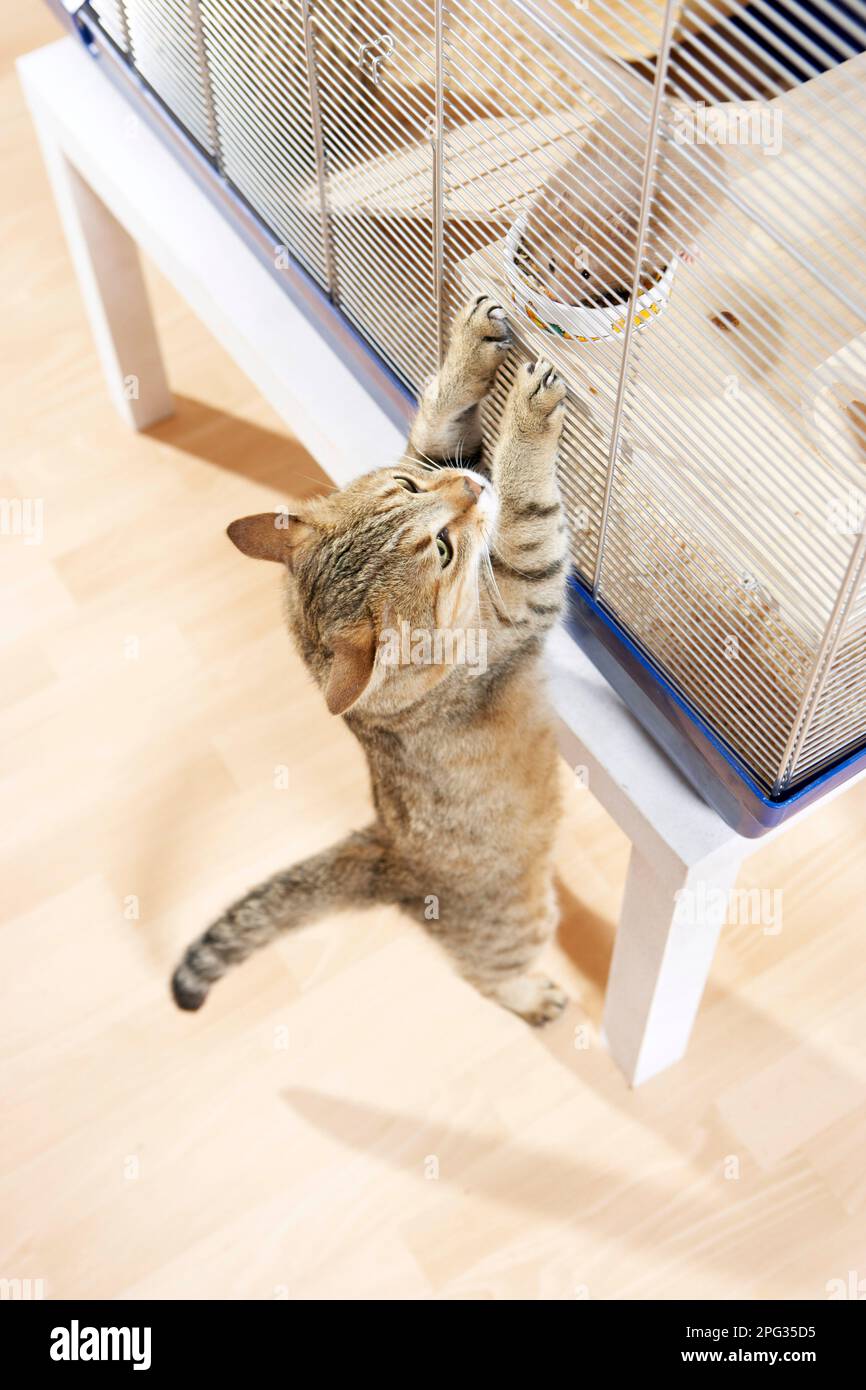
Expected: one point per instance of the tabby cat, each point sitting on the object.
(463, 761)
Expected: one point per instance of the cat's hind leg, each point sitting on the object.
(353, 871)
(447, 429)
(494, 951)
(533, 997)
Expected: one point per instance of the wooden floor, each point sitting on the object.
(345, 1118)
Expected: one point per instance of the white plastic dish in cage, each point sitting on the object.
(574, 322)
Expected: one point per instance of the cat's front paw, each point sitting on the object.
(484, 321)
(537, 399)
(480, 340)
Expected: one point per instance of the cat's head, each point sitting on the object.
(397, 552)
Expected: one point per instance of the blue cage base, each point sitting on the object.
(712, 768)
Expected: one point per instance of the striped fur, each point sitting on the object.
(463, 761)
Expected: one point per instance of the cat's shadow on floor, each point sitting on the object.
(682, 1189)
(262, 455)
(540, 1179)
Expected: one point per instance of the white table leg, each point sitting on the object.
(662, 956)
(109, 272)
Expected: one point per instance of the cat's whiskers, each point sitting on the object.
(478, 595)
(418, 461)
(322, 483)
(502, 607)
(510, 563)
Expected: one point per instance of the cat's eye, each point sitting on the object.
(585, 274)
(551, 266)
(406, 483)
(445, 549)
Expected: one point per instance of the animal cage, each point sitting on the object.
(713, 462)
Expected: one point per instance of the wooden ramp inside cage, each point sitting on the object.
(494, 166)
(495, 162)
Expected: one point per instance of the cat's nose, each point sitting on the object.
(475, 486)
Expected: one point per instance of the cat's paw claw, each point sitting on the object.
(480, 339)
(539, 394)
(497, 329)
(486, 323)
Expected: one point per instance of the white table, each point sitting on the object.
(117, 189)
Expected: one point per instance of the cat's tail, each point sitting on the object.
(355, 870)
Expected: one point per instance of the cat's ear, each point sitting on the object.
(354, 656)
(270, 536)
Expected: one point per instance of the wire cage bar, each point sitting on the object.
(647, 174)
(706, 162)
